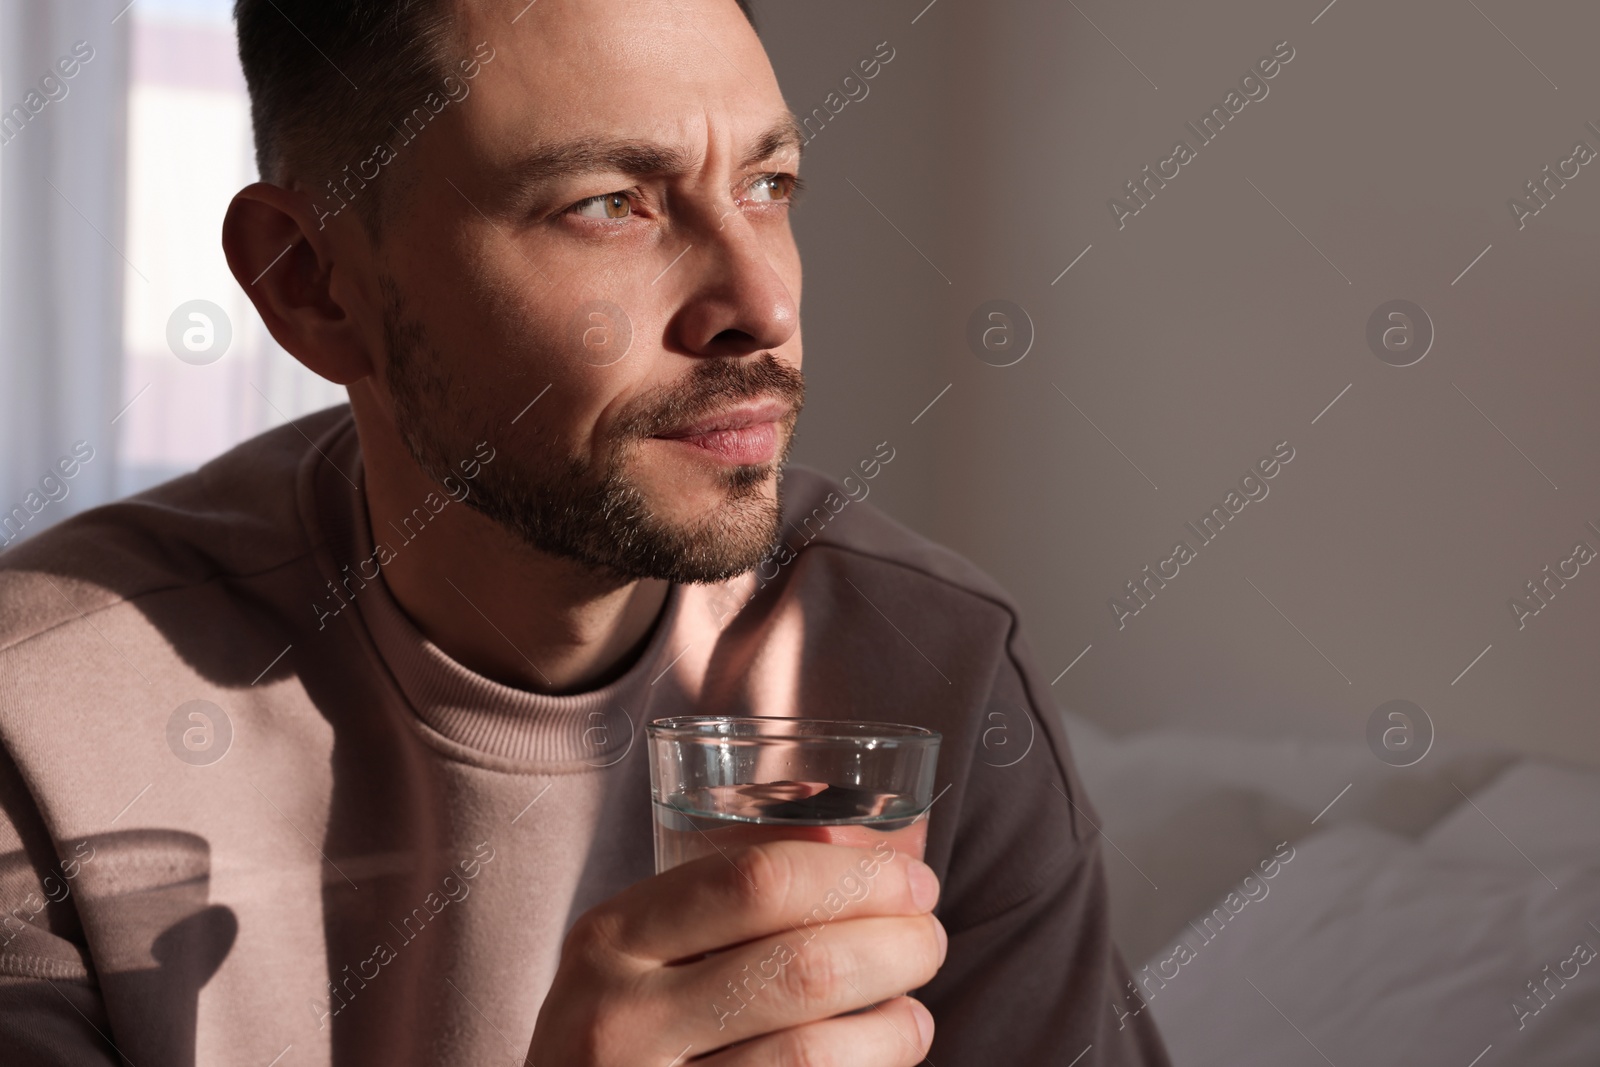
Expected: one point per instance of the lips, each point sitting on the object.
(736, 418)
(744, 435)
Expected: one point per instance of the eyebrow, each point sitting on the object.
(588, 155)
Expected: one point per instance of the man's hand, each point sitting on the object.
(797, 933)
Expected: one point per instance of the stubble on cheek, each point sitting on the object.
(572, 481)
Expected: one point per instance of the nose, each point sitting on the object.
(738, 303)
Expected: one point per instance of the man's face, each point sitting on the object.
(643, 298)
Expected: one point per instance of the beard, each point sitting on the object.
(590, 510)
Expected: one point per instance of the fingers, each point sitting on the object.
(722, 900)
(788, 980)
(764, 945)
(894, 1034)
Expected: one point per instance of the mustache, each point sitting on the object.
(712, 385)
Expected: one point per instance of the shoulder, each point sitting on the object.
(944, 635)
(239, 514)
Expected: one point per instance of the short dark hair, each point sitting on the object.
(329, 79)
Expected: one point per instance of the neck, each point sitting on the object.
(493, 604)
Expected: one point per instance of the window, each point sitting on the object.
(189, 151)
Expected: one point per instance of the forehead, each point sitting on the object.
(676, 71)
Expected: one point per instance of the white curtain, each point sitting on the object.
(189, 151)
(62, 146)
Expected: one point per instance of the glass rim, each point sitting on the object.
(693, 728)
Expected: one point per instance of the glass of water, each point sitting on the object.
(717, 782)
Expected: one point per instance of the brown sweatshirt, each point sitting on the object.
(248, 811)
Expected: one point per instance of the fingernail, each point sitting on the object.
(924, 885)
(944, 939)
(924, 1022)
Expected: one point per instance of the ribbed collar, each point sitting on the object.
(536, 732)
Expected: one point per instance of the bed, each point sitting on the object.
(1289, 902)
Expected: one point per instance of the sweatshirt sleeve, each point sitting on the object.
(1031, 975)
(51, 1012)
(50, 1023)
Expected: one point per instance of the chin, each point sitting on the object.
(701, 526)
(705, 491)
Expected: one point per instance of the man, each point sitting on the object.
(328, 752)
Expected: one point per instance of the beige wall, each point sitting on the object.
(1216, 324)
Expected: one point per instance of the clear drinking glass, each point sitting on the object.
(720, 781)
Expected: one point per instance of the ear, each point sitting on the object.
(302, 274)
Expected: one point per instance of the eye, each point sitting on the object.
(776, 188)
(606, 206)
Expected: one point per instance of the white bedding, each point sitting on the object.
(1368, 951)
(1189, 814)
(1403, 931)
